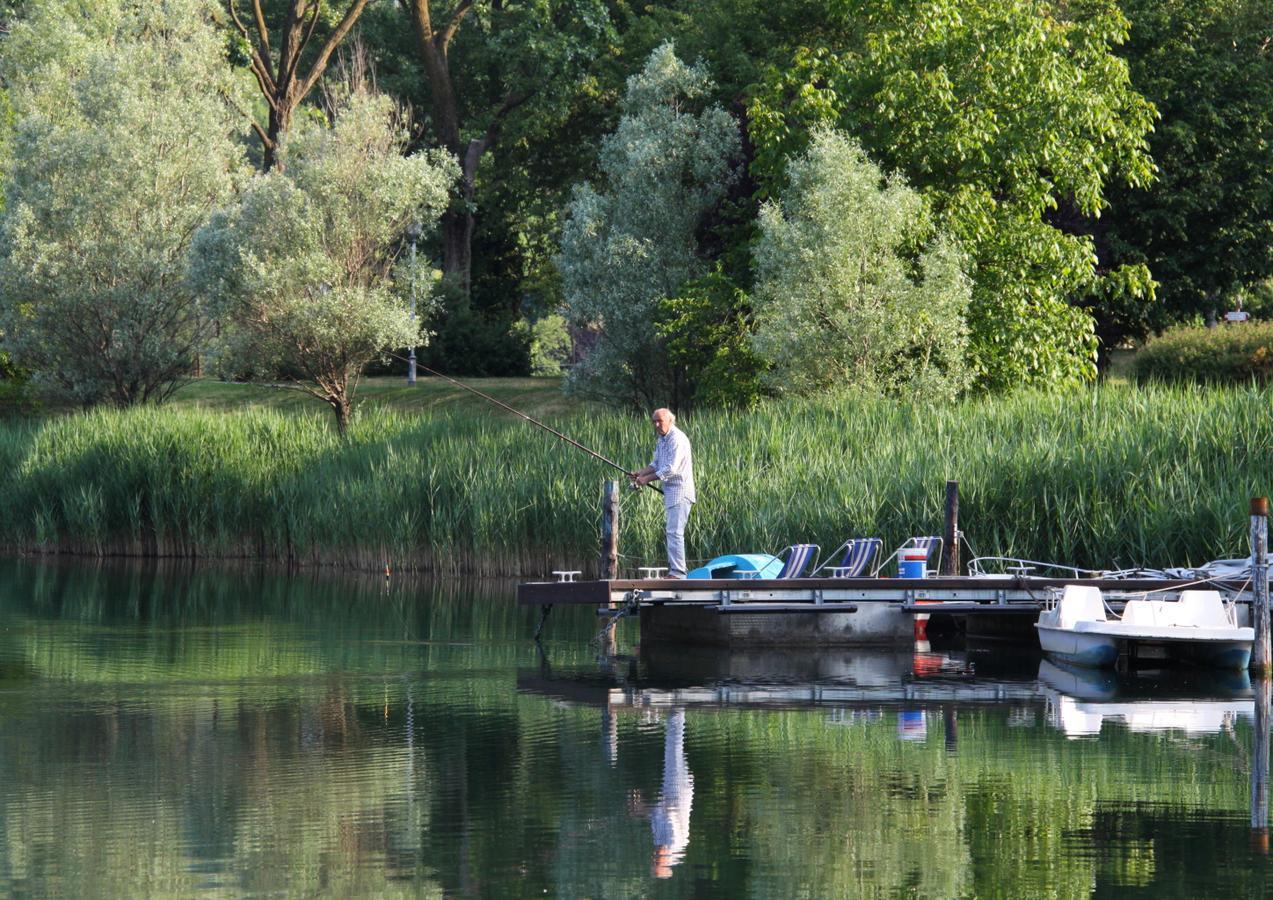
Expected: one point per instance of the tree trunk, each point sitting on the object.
(457, 236)
(280, 122)
(341, 407)
(283, 85)
(433, 41)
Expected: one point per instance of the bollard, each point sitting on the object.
(1261, 661)
(950, 535)
(609, 563)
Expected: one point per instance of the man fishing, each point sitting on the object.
(673, 465)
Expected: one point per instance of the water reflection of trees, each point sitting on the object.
(343, 743)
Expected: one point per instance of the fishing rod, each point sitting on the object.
(549, 429)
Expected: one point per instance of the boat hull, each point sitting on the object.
(1101, 647)
(1095, 651)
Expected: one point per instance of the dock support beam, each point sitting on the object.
(608, 567)
(950, 536)
(1261, 660)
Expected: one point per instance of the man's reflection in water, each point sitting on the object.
(670, 817)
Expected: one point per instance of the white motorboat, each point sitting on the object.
(1198, 627)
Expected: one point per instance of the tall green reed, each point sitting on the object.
(1112, 475)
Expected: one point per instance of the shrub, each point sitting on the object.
(631, 243)
(1229, 353)
(854, 286)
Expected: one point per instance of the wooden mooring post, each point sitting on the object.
(950, 535)
(1261, 661)
(1261, 667)
(1261, 687)
(608, 567)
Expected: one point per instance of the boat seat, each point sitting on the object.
(1149, 612)
(1205, 609)
(1081, 603)
(1194, 609)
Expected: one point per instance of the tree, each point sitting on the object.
(1205, 227)
(998, 112)
(707, 329)
(841, 298)
(123, 145)
(282, 82)
(549, 345)
(524, 57)
(628, 246)
(303, 267)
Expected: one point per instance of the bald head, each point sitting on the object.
(663, 420)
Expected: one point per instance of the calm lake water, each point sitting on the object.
(198, 732)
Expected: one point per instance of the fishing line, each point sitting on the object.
(533, 421)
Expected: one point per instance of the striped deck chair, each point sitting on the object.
(796, 559)
(857, 555)
(915, 543)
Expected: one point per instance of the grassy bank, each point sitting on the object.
(1115, 475)
(535, 396)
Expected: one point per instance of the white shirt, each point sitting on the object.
(674, 465)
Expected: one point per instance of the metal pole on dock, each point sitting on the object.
(1261, 660)
(950, 536)
(609, 564)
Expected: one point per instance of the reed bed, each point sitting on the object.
(1115, 475)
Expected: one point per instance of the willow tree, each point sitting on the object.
(303, 268)
(123, 145)
(632, 242)
(842, 299)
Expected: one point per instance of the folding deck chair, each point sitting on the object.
(796, 559)
(857, 555)
(915, 543)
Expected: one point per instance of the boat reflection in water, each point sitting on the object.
(1080, 700)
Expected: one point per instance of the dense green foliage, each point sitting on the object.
(1112, 475)
(1205, 226)
(1000, 113)
(841, 299)
(463, 337)
(125, 142)
(1086, 156)
(549, 345)
(707, 329)
(1231, 353)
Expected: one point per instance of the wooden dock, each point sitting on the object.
(960, 594)
(855, 611)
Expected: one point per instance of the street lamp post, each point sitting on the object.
(413, 235)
